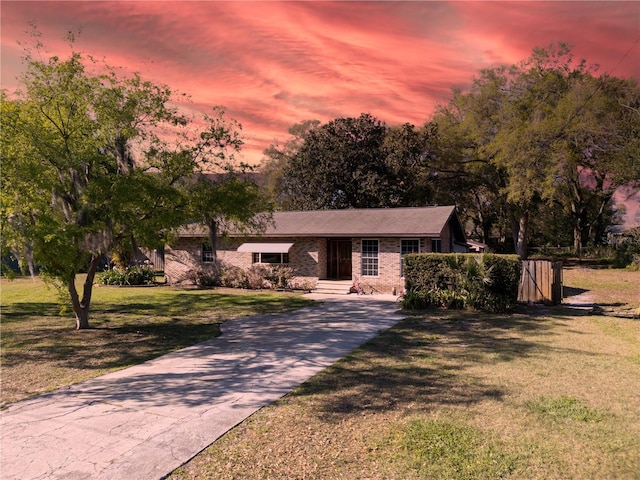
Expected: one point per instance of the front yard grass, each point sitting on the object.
(543, 393)
(41, 350)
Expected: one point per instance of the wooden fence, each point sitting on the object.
(541, 282)
(155, 257)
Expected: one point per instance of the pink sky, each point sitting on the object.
(273, 64)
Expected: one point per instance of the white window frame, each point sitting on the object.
(438, 242)
(368, 262)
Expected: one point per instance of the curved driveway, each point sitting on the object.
(145, 421)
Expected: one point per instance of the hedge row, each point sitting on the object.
(485, 282)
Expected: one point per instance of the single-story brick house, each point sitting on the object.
(355, 245)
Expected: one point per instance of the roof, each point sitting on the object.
(375, 222)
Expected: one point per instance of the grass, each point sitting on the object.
(41, 350)
(610, 287)
(564, 408)
(542, 393)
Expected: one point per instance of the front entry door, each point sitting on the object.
(339, 259)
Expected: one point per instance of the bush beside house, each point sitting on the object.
(256, 277)
(485, 282)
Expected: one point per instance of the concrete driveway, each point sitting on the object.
(145, 421)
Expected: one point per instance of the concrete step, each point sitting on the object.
(333, 287)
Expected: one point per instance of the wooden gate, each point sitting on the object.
(541, 282)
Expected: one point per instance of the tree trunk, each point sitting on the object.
(520, 235)
(592, 226)
(28, 251)
(577, 238)
(213, 237)
(577, 208)
(81, 306)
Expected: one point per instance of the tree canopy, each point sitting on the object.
(349, 163)
(541, 135)
(96, 164)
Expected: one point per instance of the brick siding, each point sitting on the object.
(308, 256)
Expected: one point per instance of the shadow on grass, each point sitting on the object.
(424, 360)
(105, 347)
(128, 332)
(261, 353)
(572, 291)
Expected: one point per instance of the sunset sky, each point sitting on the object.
(273, 64)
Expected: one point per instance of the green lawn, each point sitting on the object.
(41, 350)
(544, 393)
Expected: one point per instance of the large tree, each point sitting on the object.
(351, 163)
(541, 133)
(596, 152)
(89, 168)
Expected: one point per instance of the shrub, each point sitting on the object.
(279, 275)
(301, 284)
(206, 276)
(415, 299)
(233, 277)
(257, 277)
(634, 266)
(480, 282)
(627, 250)
(136, 275)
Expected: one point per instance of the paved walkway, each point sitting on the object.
(145, 421)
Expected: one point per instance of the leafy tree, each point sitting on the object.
(229, 200)
(338, 165)
(464, 165)
(276, 158)
(352, 163)
(408, 156)
(539, 133)
(598, 151)
(89, 169)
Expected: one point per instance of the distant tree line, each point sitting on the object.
(532, 152)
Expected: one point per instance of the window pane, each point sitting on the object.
(436, 245)
(275, 258)
(207, 253)
(408, 246)
(370, 258)
(270, 258)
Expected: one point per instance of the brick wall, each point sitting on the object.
(388, 279)
(186, 255)
(308, 256)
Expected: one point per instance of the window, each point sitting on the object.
(277, 258)
(207, 253)
(436, 245)
(370, 258)
(408, 246)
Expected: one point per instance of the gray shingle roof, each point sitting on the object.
(380, 222)
(392, 222)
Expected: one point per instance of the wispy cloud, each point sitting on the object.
(273, 64)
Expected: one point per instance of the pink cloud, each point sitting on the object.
(274, 64)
